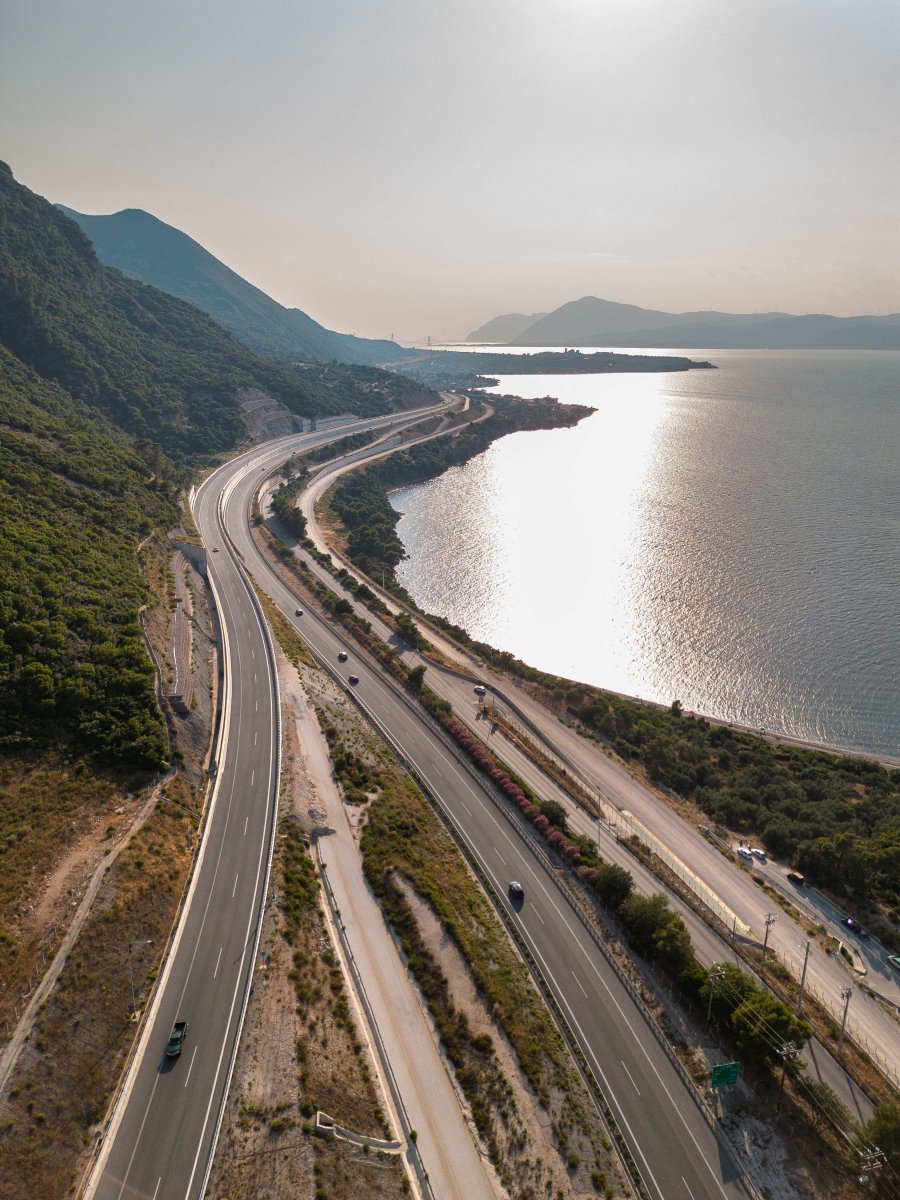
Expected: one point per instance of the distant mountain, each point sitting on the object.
(142, 246)
(503, 330)
(594, 322)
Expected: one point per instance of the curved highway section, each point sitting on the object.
(162, 1134)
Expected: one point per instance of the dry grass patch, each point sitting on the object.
(56, 820)
(69, 1068)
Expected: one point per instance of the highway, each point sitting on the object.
(163, 1130)
(679, 1154)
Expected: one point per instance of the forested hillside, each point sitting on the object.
(110, 393)
(74, 500)
(154, 365)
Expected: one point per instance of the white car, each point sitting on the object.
(744, 852)
(757, 853)
(479, 689)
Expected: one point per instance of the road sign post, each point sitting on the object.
(725, 1074)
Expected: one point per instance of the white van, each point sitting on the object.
(744, 852)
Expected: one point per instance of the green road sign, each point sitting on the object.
(725, 1074)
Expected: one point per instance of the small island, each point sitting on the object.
(462, 368)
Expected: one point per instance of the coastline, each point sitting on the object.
(441, 459)
(797, 796)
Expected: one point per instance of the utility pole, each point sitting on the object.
(788, 1053)
(712, 977)
(870, 1160)
(810, 938)
(770, 921)
(846, 993)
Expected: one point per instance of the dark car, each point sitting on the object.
(298, 612)
(516, 891)
(176, 1039)
(342, 656)
(215, 549)
(354, 679)
(855, 927)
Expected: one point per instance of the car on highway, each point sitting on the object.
(298, 612)
(479, 689)
(342, 656)
(894, 960)
(855, 927)
(215, 549)
(757, 853)
(796, 878)
(744, 852)
(176, 1039)
(516, 891)
(354, 680)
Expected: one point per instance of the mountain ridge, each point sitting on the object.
(591, 321)
(143, 247)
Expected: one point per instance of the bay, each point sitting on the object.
(730, 538)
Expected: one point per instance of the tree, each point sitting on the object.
(555, 814)
(657, 932)
(613, 884)
(415, 679)
(762, 1024)
(883, 1130)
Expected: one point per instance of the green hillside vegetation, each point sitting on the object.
(155, 366)
(368, 391)
(74, 500)
(838, 818)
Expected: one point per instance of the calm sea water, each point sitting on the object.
(728, 537)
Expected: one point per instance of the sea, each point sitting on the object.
(729, 538)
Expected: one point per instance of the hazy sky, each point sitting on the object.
(417, 167)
